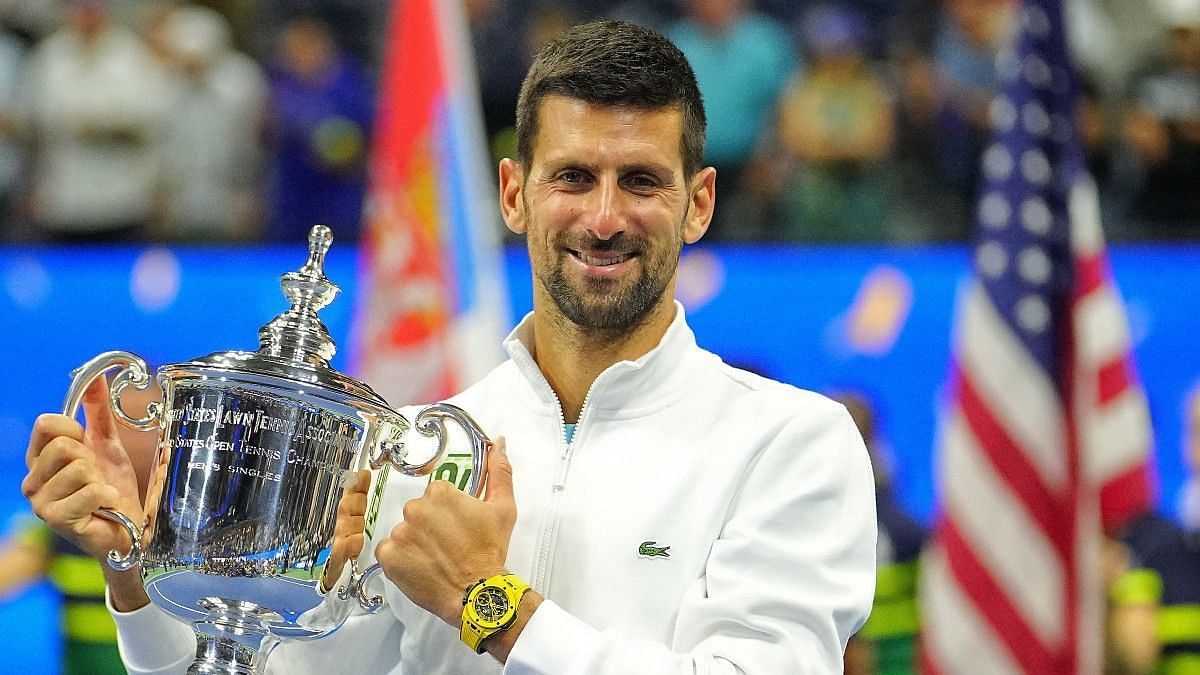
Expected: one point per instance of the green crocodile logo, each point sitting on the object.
(650, 549)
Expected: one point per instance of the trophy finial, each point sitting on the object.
(320, 238)
(297, 333)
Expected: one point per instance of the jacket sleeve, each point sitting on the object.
(788, 581)
(151, 642)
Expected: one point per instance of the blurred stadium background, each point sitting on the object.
(834, 263)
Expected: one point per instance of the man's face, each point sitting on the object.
(607, 209)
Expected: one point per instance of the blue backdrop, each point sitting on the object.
(869, 319)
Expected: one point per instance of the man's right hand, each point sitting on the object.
(73, 471)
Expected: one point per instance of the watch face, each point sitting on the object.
(491, 604)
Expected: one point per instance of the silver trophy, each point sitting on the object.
(256, 449)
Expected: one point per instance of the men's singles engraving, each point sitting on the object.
(248, 435)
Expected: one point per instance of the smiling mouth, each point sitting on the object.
(606, 260)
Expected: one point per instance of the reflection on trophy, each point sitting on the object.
(256, 449)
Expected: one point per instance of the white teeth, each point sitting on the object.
(603, 262)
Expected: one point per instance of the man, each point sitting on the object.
(96, 111)
(887, 643)
(668, 513)
(1154, 619)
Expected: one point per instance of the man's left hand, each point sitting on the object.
(449, 540)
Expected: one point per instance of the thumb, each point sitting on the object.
(499, 479)
(97, 410)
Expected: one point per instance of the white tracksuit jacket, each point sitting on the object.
(762, 492)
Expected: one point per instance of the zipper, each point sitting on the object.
(541, 575)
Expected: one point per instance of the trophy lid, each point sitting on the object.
(296, 345)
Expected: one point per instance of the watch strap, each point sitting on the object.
(473, 634)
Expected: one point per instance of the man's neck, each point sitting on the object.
(571, 357)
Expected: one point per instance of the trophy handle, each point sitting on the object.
(115, 559)
(356, 587)
(133, 371)
(431, 421)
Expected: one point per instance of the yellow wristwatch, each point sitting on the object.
(490, 607)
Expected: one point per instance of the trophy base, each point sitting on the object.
(233, 639)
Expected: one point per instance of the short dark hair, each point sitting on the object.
(614, 63)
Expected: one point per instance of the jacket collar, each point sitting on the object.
(626, 387)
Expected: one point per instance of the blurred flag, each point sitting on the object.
(433, 309)
(1047, 439)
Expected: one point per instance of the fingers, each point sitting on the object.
(69, 497)
(48, 427)
(352, 504)
(345, 548)
(65, 486)
(74, 510)
(351, 524)
(362, 482)
(57, 453)
(66, 468)
(385, 554)
(499, 488)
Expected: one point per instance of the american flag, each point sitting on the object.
(1046, 441)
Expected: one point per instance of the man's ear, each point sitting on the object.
(700, 211)
(512, 206)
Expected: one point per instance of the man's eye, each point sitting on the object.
(641, 182)
(571, 176)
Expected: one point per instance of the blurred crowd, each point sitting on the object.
(134, 120)
(852, 120)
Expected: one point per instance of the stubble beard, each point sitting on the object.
(606, 304)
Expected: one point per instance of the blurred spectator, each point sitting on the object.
(96, 109)
(1154, 623)
(1107, 159)
(882, 19)
(1111, 41)
(1163, 129)
(887, 644)
(240, 15)
(155, 30)
(502, 54)
(357, 27)
(923, 208)
(742, 60)
(212, 144)
(31, 20)
(1189, 496)
(1131, 636)
(322, 106)
(656, 14)
(13, 54)
(837, 124)
(965, 46)
(505, 37)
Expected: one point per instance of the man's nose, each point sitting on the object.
(606, 218)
